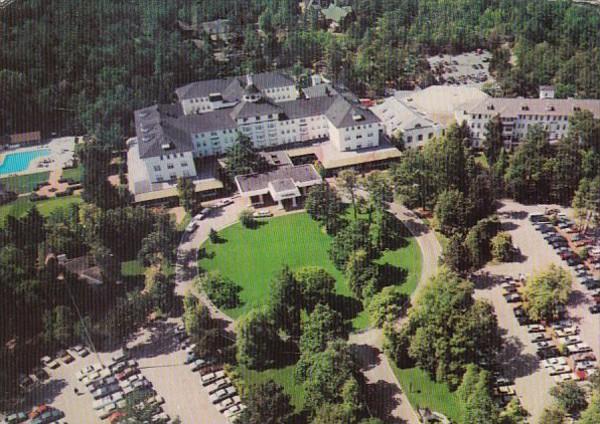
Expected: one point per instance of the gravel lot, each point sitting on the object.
(460, 67)
(532, 383)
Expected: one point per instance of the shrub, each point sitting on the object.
(502, 247)
(247, 219)
(221, 290)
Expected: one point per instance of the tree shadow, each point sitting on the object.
(577, 298)
(518, 256)
(383, 398)
(391, 275)
(368, 356)
(509, 226)
(347, 306)
(46, 393)
(514, 362)
(416, 228)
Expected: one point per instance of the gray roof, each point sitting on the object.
(319, 90)
(249, 109)
(232, 88)
(297, 174)
(219, 119)
(284, 184)
(155, 128)
(302, 108)
(342, 113)
(520, 106)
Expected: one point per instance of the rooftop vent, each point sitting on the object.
(144, 113)
(524, 107)
(549, 108)
(490, 107)
(166, 146)
(357, 117)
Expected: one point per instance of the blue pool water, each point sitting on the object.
(17, 162)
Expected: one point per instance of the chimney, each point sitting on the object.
(249, 80)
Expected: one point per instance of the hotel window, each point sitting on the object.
(184, 164)
(430, 135)
(157, 168)
(420, 137)
(169, 166)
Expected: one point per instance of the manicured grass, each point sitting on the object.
(132, 268)
(21, 206)
(283, 376)
(24, 183)
(252, 257)
(423, 392)
(73, 173)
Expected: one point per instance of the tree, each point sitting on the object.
(135, 409)
(553, 415)
(387, 305)
(160, 244)
(186, 193)
(514, 413)
(285, 302)
(223, 292)
(266, 403)
(242, 158)
(196, 316)
(323, 325)
(493, 142)
(361, 273)
(592, 414)
(110, 267)
(469, 381)
(160, 289)
(348, 182)
(570, 396)
(502, 247)
(317, 285)
(213, 236)
(379, 188)
(480, 407)
(451, 212)
(456, 255)
(356, 235)
(324, 205)
(545, 292)
(247, 219)
(448, 329)
(478, 241)
(257, 340)
(58, 325)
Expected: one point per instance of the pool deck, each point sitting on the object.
(62, 151)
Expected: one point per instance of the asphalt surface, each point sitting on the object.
(521, 363)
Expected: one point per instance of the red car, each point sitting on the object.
(38, 410)
(127, 372)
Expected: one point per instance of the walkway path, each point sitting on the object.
(388, 399)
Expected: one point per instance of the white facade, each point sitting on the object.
(170, 166)
(359, 136)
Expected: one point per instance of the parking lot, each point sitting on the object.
(161, 360)
(464, 69)
(532, 380)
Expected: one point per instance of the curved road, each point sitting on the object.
(391, 401)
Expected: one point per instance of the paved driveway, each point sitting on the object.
(161, 361)
(532, 383)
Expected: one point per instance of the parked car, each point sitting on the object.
(190, 357)
(262, 214)
(228, 403)
(101, 403)
(512, 297)
(40, 373)
(110, 408)
(129, 371)
(579, 348)
(120, 355)
(569, 340)
(224, 202)
(200, 363)
(551, 362)
(234, 410)
(222, 394)
(81, 351)
(88, 369)
(535, 328)
(584, 365)
(106, 390)
(559, 369)
(65, 357)
(50, 362)
(538, 337)
(543, 344)
(16, 418)
(218, 385)
(209, 378)
(595, 309)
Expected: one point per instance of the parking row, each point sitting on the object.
(216, 384)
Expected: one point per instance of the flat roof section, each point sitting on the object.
(280, 179)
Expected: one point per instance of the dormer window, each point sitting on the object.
(524, 107)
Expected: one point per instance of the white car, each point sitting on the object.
(81, 351)
(262, 214)
(228, 403)
(544, 344)
(110, 408)
(160, 417)
(579, 347)
(211, 377)
(218, 385)
(132, 379)
(101, 392)
(88, 370)
(565, 377)
(49, 362)
(535, 328)
(191, 227)
(219, 395)
(585, 365)
(101, 403)
(234, 410)
(224, 202)
(569, 340)
(559, 369)
(550, 362)
(119, 356)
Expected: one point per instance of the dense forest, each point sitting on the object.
(73, 67)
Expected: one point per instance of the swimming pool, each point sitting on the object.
(17, 162)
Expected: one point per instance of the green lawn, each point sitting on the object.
(132, 268)
(24, 183)
(21, 206)
(73, 173)
(425, 393)
(283, 376)
(251, 258)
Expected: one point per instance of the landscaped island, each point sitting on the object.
(252, 257)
